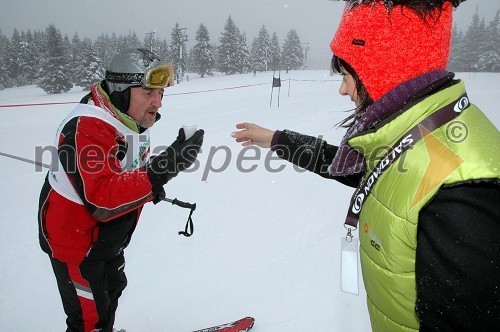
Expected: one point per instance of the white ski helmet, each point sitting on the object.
(127, 68)
(135, 67)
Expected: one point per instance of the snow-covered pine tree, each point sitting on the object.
(28, 60)
(178, 53)
(4, 77)
(293, 54)
(13, 57)
(455, 62)
(202, 60)
(261, 50)
(55, 77)
(76, 60)
(228, 60)
(114, 43)
(495, 32)
(244, 59)
(254, 54)
(103, 47)
(40, 45)
(489, 60)
(91, 71)
(275, 53)
(129, 41)
(473, 42)
(164, 51)
(67, 49)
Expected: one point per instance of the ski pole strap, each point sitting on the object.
(407, 141)
(188, 231)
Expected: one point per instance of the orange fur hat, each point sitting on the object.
(387, 47)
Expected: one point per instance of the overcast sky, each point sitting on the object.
(314, 20)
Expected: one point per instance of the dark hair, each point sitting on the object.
(365, 100)
(424, 9)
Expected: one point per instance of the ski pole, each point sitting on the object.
(182, 204)
(189, 224)
(29, 161)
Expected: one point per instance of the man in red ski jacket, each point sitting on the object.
(93, 195)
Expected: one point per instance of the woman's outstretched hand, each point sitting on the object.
(252, 134)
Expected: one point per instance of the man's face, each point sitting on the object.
(144, 104)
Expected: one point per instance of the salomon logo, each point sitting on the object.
(462, 104)
(358, 203)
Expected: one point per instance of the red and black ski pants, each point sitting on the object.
(90, 292)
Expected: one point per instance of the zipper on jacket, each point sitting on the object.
(92, 242)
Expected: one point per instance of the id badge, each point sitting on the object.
(349, 265)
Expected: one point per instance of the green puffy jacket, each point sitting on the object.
(466, 149)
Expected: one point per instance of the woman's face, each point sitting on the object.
(348, 87)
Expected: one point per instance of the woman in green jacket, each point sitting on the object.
(425, 162)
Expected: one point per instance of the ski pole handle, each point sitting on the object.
(182, 204)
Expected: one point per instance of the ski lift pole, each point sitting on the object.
(272, 90)
(279, 87)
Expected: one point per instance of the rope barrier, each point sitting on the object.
(39, 104)
(293, 79)
(174, 94)
(213, 90)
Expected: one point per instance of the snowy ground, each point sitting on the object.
(265, 244)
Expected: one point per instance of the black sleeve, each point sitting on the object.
(310, 153)
(458, 260)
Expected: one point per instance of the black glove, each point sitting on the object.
(176, 158)
(158, 194)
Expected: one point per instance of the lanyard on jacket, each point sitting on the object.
(408, 140)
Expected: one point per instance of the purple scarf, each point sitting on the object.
(349, 161)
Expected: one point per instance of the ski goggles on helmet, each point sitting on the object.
(158, 77)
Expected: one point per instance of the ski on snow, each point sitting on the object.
(241, 325)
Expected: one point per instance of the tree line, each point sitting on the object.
(55, 62)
